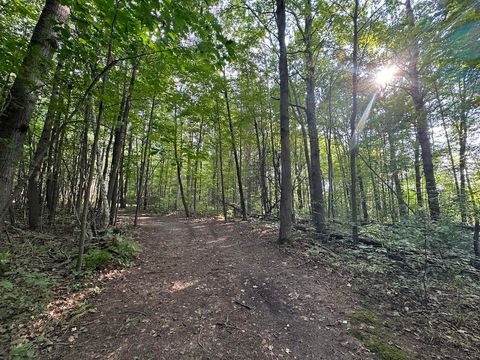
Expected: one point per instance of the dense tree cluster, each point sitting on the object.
(336, 111)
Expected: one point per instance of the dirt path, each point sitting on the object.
(203, 289)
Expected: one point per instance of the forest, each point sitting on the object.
(339, 137)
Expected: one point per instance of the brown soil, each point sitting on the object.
(205, 289)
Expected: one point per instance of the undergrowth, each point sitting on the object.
(418, 274)
(36, 268)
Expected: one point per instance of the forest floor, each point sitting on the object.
(206, 289)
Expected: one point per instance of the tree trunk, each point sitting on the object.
(145, 151)
(363, 197)
(418, 177)
(14, 120)
(402, 208)
(120, 132)
(179, 168)
(353, 119)
(316, 191)
(328, 141)
(262, 167)
(286, 176)
(220, 160)
(91, 172)
(195, 169)
(417, 95)
(449, 145)
(34, 189)
(235, 154)
(123, 203)
(462, 140)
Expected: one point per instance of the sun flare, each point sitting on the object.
(386, 75)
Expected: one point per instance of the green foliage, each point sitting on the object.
(97, 259)
(121, 252)
(445, 237)
(22, 349)
(125, 251)
(24, 291)
(5, 260)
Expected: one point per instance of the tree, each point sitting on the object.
(15, 118)
(286, 179)
(417, 93)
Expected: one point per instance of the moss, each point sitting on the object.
(384, 349)
(372, 337)
(365, 317)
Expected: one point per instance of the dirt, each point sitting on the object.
(205, 289)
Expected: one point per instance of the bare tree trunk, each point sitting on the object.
(220, 160)
(235, 154)
(179, 168)
(462, 140)
(147, 178)
(52, 199)
(353, 119)
(286, 179)
(96, 136)
(262, 168)
(417, 95)
(402, 208)
(418, 177)
(83, 161)
(34, 189)
(91, 172)
(476, 227)
(304, 140)
(195, 170)
(328, 141)
(15, 118)
(120, 132)
(447, 137)
(123, 203)
(316, 191)
(363, 197)
(145, 152)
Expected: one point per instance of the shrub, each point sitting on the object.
(97, 259)
(125, 251)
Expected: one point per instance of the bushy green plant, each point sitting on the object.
(97, 259)
(125, 251)
(5, 259)
(22, 349)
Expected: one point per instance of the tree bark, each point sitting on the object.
(286, 171)
(91, 172)
(179, 169)
(145, 151)
(418, 176)
(353, 119)
(34, 189)
(235, 155)
(462, 140)
(120, 132)
(402, 208)
(15, 119)
(416, 92)
(220, 160)
(316, 192)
